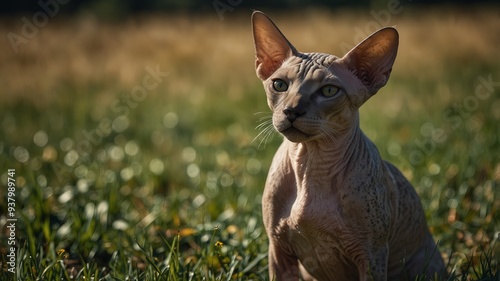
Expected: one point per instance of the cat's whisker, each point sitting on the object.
(330, 131)
(261, 112)
(329, 135)
(264, 124)
(265, 139)
(266, 129)
(265, 118)
(267, 133)
(263, 131)
(326, 135)
(269, 115)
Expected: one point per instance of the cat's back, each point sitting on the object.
(409, 232)
(409, 205)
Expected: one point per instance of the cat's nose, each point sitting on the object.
(292, 113)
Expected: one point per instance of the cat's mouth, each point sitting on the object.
(295, 135)
(297, 131)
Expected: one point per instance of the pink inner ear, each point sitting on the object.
(271, 46)
(371, 61)
(263, 68)
(270, 55)
(267, 65)
(372, 74)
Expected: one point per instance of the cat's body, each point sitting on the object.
(333, 209)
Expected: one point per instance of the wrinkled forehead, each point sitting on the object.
(304, 64)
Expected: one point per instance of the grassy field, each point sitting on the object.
(135, 152)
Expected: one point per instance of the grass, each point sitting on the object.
(167, 186)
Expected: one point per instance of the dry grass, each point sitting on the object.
(201, 50)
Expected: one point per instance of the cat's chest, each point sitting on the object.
(314, 217)
(316, 205)
(315, 237)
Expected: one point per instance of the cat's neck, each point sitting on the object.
(324, 158)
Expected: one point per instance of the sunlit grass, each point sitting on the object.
(167, 186)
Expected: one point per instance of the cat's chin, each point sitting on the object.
(295, 135)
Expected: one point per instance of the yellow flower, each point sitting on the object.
(219, 244)
(62, 253)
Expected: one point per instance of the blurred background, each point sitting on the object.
(133, 120)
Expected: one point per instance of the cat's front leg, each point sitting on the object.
(377, 265)
(282, 266)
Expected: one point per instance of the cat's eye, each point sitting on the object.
(329, 90)
(280, 85)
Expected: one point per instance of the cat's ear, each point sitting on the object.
(371, 60)
(271, 46)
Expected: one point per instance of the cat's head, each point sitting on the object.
(315, 95)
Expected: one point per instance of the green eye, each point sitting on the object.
(329, 90)
(280, 85)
